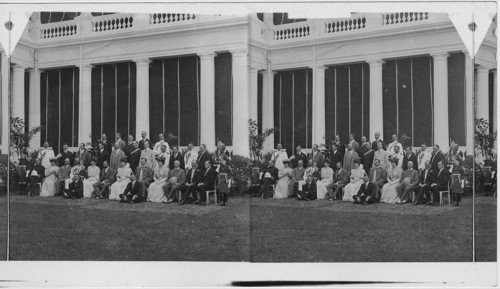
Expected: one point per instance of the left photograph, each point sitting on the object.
(129, 138)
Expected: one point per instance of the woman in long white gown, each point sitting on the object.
(326, 179)
(122, 180)
(285, 179)
(352, 188)
(389, 192)
(93, 175)
(49, 184)
(155, 191)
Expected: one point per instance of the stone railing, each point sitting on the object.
(340, 25)
(292, 30)
(58, 29)
(403, 17)
(159, 18)
(112, 22)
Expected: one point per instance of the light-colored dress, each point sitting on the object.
(155, 190)
(389, 192)
(93, 173)
(278, 158)
(122, 180)
(45, 155)
(283, 186)
(326, 179)
(49, 184)
(352, 188)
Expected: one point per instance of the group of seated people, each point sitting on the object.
(366, 173)
(133, 172)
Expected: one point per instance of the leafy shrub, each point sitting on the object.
(241, 172)
(3, 171)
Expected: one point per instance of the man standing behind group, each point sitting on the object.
(341, 147)
(278, 156)
(316, 156)
(148, 154)
(382, 156)
(423, 157)
(135, 156)
(189, 156)
(143, 140)
(297, 157)
(437, 156)
(129, 147)
(376, 141)
(116, 156)
(83, 155)
(101, 155)
(410, 156)
(176, 156)
(65, 154)
(335, 155)
(45, 155)
(393, 144)
(367, 157)
(161, 141)
(203, 156)
(399, 155)
(107, 145)
(353, 143)
(349, 158)
(120, 142)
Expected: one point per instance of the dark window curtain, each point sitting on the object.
(26, 101)
(456, 97)
(390, 107)
(404, 91)
(223, 98)
(259, 102)
(343, 109)
(366, 101)
(53, 109)
(293, 108)
(172, 85)
(43, 106)
(422, 101)
(113, 100)
(156, 98)
(189, 105)
(330, 111)
(97, 104)
(356, 99)
(69, 108)
(491, 80)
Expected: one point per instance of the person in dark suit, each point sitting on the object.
(441, 178)
(106, 178)
(367, 193)
(35, 174)
(299, 155)
(144, 138)
(144, 175)
(268, 178)
(84, 155)
(436, 157)
(132, 193)
(367, 157)
(425, 181)
(129, 146)
(203, 156)
(107, 145)
(340, 146)
(376, 141)
(134, 156)
(75, 190)
(66, 154)
(340, 180)
(193, 176)
(354, 143)
(101, 156)
(176, 156)
(335, 154)
(317, 156)
(378, 176)
(207, 182)
(410, 156)
(309, 190)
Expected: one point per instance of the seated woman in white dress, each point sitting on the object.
(285, 179)
(326, 179)
(93, 175)
(155, 190)
(122, 180)
(352, 188)
(389, 191)
(49, 184)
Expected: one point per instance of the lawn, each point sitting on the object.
(253, 229)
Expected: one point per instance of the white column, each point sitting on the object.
(207, 99)
(318, 122)
(268, 106)
(18, 91)
(441, 127)
(85, 104)
(482, 99)
(469, 104)
(34, 105)
(142, 92)
(241, 102)
(254, 104)
(495, 119)
(376, 99)
(4, 95)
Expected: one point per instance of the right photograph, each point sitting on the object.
(375, 139)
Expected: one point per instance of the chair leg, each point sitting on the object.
(208, 197)
(449, 198)
(215, 197)
(440, 198)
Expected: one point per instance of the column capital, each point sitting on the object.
(320, 68)
(440, 56)
(267, 72)
(375, 62)
(142, 61)
(85, 66)
(207, 55)
(481, 68)
(239, 52)
(18, 67)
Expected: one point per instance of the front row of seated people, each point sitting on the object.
(160, 185)
(392, 186)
